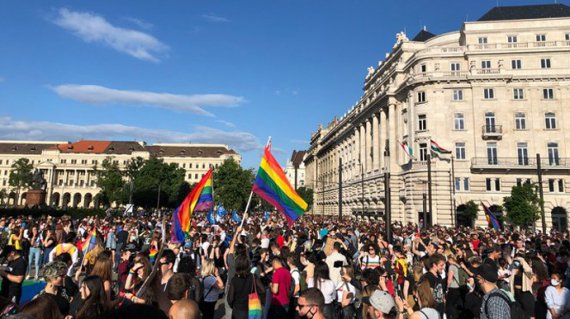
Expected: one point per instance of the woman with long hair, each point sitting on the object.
(426, 302)
(48, 243)
(35, 251)
(241, 285)
(93, 299)
(213, 286)
(346, 293)
(137, 276)
(323, 282)
(103, 267)
(43, 307)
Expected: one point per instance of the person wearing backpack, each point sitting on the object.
(496, 304)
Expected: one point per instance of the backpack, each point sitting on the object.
(302, 282)
(517, 311)
(463, 276)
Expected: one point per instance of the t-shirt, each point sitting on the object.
(369, 262)
(211, 293)
(282, 277)
(12, 290)
(436, 284)
(296, 280)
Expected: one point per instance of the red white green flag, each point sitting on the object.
(438, 149)
(407, 149)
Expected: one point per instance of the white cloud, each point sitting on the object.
(93, 28)
(227, 123)
(43, 130)
(214, 18)
(99, 95)
(140, 23)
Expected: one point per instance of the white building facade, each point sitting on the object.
(495, 93)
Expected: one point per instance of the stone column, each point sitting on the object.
(362, 147)
(368, 145)
(375, 143)
(392, 133)
(355, 151)
(383, 135)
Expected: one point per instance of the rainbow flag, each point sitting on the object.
(200, 199)
(272, 185)
(152, 252)
(492, 220)
(254, 310)
(90, 242)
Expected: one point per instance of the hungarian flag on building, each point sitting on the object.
(407, 149)
(438, 149)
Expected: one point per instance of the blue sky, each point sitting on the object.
(232, 72)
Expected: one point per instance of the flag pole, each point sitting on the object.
(246, 208)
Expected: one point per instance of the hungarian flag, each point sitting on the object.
(407, 149)
(438, 149)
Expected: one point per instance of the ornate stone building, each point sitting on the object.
(494, 93)
(295, 169)
(69, 167)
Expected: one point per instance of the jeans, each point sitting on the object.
(35, 255)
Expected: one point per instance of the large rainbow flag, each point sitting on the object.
(200, 199)
(272, 185)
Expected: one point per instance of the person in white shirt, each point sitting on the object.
(335, 261)
(557, 299)
(346, 293)
(323, 282)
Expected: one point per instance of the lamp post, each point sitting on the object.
(540, 192)
(340, 188)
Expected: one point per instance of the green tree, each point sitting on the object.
(307, 195)
(20, 176)
(110, 180)
(232, 185)
(3, 195)
(470, 211)
(523, 205)
(154, 175)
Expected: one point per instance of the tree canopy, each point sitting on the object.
(232, 185)
(523, 205)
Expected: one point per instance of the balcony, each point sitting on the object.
(514, 163)
(492, 132)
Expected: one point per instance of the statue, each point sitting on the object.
(370, 71)
(38, 180)
(400, 37)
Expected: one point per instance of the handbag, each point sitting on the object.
(254, 303)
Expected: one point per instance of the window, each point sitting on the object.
(490, 123)
(512, 39)
(458, 95)
(196, 176)
(459, 123)
(422, 122)
(189, 165)
(520, 121)
(493, 184)
(458, 184)
(488, 93)
(423, 68)
(0, 162)
(423, 152)
(94, 162)
(567, 36)
(466, 185)
(545, 63)
(551, 183)
(485, 64)
(455, 68)
(492, 154)
(203, 165)
(522, 153)
(421, 97)
(521, 181)
(556, 185)
(553, 158)
(482, 40)
(516, 64)
(83, 161)
(540, 37)
(561, 185)
(63, 161)
(518, 94)
(460, 150)
(550, 119)
(548, 94)
(183, 165)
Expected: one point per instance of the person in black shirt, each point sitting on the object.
(436, 266)
(13, 275)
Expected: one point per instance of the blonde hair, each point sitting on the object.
(208, 268)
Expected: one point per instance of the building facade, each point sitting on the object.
(69, 167)
(494, 93)
(295, 169)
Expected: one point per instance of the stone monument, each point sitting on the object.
(36, 196)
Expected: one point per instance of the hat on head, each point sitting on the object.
(381, 301)
(487, 272)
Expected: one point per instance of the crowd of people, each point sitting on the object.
(264, 269)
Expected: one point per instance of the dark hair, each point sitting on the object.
(177, 285)
(43, 307)
(65, 257)
(314, 296)
(321, 273)
(96, 302)
(169, 256)
(337, 246)
(187, 265)
(242, 264)
(434, 260)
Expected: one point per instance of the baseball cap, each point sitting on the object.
(487, 272)
(381, 301)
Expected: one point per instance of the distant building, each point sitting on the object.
(295, 169)
(495, 93)
(68, 167)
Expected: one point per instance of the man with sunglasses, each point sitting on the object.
(310, 304)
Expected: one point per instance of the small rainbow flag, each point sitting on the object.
(152, 252)
(90, 242)
(200, 199)
(272, 185)
(492, 220)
